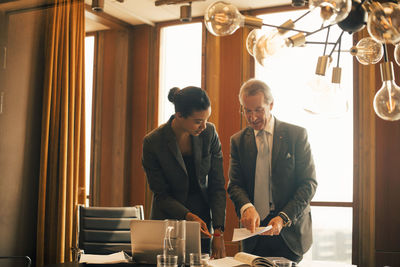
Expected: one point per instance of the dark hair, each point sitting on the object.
(189, 99)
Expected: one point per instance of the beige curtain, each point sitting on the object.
(62, 176)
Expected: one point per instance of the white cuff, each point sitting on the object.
(244, 207)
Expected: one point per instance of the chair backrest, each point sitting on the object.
(15, 261)
(105, 230)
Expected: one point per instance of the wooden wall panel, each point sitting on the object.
(139, 62)
(113, 119)
(387, 217)
(364, 162)
(212, 74)
(387, 186)
(21, 85)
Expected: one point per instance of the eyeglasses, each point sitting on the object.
(249, 112)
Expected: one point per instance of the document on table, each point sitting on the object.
(243, 233)
(105, 259)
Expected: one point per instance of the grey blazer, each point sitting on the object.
(168, 179)
(293, 179)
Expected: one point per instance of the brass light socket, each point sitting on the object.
(387, 72)
(336, 74)
(288, 24)
(297, 40)
(354, 51)
(322, 64)
(98, 5)
(299, 2)
(253, 22)
(186, 13)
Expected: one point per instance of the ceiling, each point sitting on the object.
(136, 12)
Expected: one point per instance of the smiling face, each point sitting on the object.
(256, 110)
(195, 123)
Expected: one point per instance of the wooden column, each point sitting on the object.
(140, 104)
(113, 117)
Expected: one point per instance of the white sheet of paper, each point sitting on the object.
(111, 258)
(243, 233)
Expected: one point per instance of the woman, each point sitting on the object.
(183, 163)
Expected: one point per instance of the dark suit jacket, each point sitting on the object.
(293, 179)
(168, 179)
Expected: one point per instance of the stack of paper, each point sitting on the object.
(118, 257)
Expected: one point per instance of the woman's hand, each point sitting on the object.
(203, 226)
(218, 245)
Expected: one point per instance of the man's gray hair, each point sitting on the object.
(254, 86)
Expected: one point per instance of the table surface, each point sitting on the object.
(75, 264)
(303, 263)
(306, 263)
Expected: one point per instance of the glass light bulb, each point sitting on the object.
(251, 40)
(268, 45)
(223, 19)
(367, 51)
(259, 52)
(384, 22)
(387, 99)
(397, 54)
(325, 98)
(356, 19)
(331, 11)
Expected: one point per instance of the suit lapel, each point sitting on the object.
(173, 145)
(279, 139)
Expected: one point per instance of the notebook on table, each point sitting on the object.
(147, 239)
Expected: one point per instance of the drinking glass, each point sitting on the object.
(167, 260)
(199, 260)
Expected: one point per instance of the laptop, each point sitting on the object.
(147, 239)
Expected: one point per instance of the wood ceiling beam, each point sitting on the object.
(173, 2)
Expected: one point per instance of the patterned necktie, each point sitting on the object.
(262, 176)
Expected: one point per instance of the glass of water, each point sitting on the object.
(167, 260)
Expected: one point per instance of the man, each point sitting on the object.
(271, 178)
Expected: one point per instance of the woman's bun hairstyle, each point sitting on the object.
(188, 99)
(172, 94)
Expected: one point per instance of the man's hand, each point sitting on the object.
(250, 219)
(203, 226)
(218, 245)
(277, 225)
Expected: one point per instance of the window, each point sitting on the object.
(89, 65)
(180, 62)
(288, 73)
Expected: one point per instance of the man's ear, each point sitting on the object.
(178, 115)
(271, 105)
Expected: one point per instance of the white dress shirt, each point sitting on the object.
(269, 128)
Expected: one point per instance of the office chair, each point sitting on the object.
(14, 261)
(106, 230)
